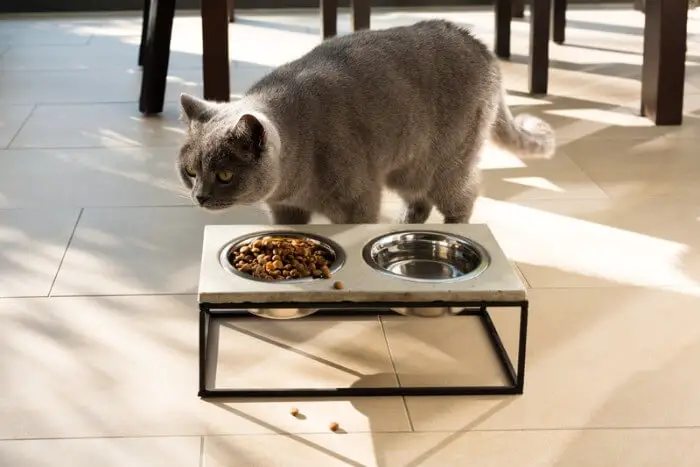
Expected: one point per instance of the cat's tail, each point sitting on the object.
(524, 135)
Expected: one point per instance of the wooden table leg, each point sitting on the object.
(361, 11)
(503, 14)
(144, 30)
(518, 9)
(215, 50)
(663, 67)
(329, 18)
(231, 11)
(559, 21)
(540, 11)
(156, 55)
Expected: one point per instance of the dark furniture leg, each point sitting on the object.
(540, 11)
(518, 9)
(503, 16)
(215, 50)
(329, 18)
(144, 30)
(231, 11)
(663, 67)
(559, 21)
(361, 11)
(156, 54)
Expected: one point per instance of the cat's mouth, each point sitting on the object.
(215, 206)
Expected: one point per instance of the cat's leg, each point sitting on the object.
(412, 185)
(363, 209)
(417, 211)
(455, 192)
(289, 215)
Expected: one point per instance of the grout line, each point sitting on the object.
(522, 275)
(65, 252)
(21, 127)
(74, 148)
(158, 294)
(201, 451)
(481, 430)
(396, 373)
(100, 206)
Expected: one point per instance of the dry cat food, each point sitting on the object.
(282, 258)
(294, 411)
(333, 426)
(337, 285)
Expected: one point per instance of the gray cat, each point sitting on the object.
(406, 108)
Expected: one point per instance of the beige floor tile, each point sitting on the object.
(69, 87)
(12, 117)
(622, 448)
(106, 452)
(140, 250)
(626, 168)
(99, 125)
(318, 353)
(103, 52)
(100, 86)
(577, 119)
(32, 32)
(616, 357)
(32, 244)
(452, 351)
(599, 243)
(507, 177)
(127, 366)
(119, 176)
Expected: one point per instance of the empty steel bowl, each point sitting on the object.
(426, 256)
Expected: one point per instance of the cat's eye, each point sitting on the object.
(190, 172)
(224, 176)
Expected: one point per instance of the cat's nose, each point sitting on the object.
(201, 199)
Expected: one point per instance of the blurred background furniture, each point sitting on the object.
(154, 52)
(156, 32)
(663, 65)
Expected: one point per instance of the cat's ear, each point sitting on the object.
(195, 109)
(252, 131)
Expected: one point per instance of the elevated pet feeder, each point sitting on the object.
(414, 270)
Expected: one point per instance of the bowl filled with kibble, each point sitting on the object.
(287, 257)
(280, 258)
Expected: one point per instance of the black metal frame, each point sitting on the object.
(210, 312)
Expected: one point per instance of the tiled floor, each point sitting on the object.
(99, 257)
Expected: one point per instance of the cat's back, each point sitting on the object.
(425, 54)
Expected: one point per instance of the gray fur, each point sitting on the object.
(407, 108)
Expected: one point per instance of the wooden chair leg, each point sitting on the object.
(503, 14)
(540, 18)
(329, 18)
(559, 21)
(231, 11)
(217, 86)
(361, 12)
(156, 55)
(663, 66)
(144, 29)
(518, 10)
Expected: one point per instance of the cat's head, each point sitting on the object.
(230, 155)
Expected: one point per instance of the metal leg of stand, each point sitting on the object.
(210, 314)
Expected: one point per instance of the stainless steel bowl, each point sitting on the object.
(429, 257)
(426, 256)
(282, 313)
